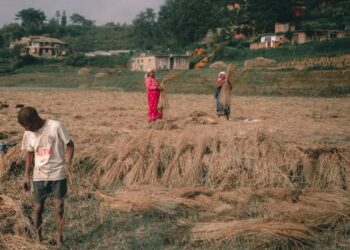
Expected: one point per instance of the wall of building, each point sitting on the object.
(181, 63)
(143, 63)
(162, 63)
(159, 62)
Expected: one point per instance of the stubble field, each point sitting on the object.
(277, 174)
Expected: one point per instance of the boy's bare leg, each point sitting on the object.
(38, 219)
(59, 206)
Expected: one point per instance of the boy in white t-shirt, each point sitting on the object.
(46, 142)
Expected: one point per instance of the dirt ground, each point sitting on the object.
(102, 113)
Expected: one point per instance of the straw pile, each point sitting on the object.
(254, 232)
(11, 242)
(10, 164)
(15, 223)
(279, 181)
(101, 75)
(218, 65)
(259, 62)
(267, 218)
(144, 202)
(84, 71)
(255, 160)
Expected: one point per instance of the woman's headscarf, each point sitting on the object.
(222, 73)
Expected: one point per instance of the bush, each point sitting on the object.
(195, 60)
(76, 60)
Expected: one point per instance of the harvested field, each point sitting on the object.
(276, 175)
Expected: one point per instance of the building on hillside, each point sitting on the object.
(41, 46)
(297, 36)
(284, 27)
(301, 37)
(157, 62)
(269, 41)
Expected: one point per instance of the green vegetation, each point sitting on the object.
(308, 82)
(179, 26)
(308, 50)
(180, 23)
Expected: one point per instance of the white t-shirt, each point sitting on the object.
(48, 143)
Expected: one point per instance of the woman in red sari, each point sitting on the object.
(153, 94)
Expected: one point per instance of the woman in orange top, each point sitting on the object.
(153, 94)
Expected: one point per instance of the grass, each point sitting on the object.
(308, 82)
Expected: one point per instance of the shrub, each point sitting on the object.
(76, 60)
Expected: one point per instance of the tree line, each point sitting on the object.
(179, 23)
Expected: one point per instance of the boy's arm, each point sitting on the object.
(28, 164)
(70, 152)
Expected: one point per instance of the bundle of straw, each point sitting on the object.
(225, 96)
(163, 101)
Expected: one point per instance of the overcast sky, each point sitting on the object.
(102, 11)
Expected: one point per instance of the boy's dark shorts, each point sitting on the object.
(42, 189)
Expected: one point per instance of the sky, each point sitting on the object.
(102, 11)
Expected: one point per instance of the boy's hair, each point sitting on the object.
(27, 115)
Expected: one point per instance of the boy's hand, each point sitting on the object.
(26, 184)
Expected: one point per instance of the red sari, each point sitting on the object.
(153, 95)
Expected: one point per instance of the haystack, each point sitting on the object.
(259, 62)
(101, 75)
(218, 65)
(84, 71)
(254, 232)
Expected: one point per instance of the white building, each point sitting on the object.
(150, 61)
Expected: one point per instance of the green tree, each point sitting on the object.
(80, 20)
(52, 28)
(144, 29)
(11, 32)
(321, 15)
(58, 15)
(64, 20)
(32, 20)
(2, 41)
(183, 22)
(265, 13)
